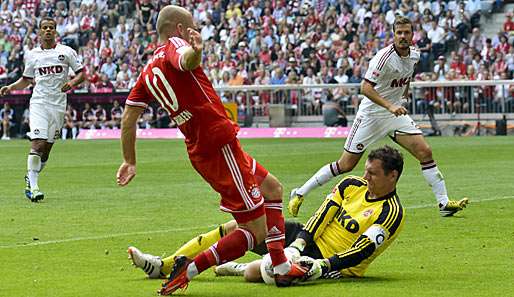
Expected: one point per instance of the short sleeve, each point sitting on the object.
(176, 51)
(29, 66)
(73, 61)
(138, 96)
(377, 67)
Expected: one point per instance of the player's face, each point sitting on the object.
(403, 36)
(47, 31)
(379, 183)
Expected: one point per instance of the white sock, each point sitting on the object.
(192, 271)
(321, 177)
(33, 169)
(64, 133)
(435, 179)
(74, 132)
(283, 268)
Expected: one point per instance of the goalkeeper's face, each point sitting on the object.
(47, 32)
(379, 182)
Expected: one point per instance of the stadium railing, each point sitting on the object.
(452, 98)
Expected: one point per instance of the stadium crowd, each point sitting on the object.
(270, 42)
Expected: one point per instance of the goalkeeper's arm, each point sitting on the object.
(362, 248)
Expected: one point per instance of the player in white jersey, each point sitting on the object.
(47, 68)
(381, 113)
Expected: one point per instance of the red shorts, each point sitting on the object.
(236, 176)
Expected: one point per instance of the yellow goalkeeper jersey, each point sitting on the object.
(347, 213)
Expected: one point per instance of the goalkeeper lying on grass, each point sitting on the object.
(355, 224)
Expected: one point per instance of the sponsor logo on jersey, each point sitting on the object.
(182, 117)
(50, 70)
(61, 57)
(398, 83)
(367, 212)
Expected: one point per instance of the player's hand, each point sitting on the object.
(66, 87)
(314, 265)
(125, 174)
(5, 90)
(397, 110)
(195, 40)
(294, 205)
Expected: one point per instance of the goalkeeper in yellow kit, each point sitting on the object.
(355, 224)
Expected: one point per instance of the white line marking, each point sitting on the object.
(473, 201)
(104, 237)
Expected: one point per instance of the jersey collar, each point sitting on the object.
(398, 53)
(385, 197)
(45, 49)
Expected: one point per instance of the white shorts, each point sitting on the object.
(367, 130)
(45, 122)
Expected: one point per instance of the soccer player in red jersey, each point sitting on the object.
(174, 77)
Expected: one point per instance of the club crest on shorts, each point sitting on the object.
(61, 57)
(36, 131)
(360, 146)
(255, 192)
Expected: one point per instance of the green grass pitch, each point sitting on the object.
(74, 243)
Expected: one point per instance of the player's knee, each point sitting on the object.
(425, 153)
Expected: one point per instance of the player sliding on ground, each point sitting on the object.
(174, 77)
(381, 113)
(356, 223)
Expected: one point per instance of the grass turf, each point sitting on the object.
(74, 243)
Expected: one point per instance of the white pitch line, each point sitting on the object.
(188, 229)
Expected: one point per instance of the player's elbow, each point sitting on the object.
(366, 88)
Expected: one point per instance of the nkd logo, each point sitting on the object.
(400, 82)
(50, 70)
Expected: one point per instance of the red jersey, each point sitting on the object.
(187, 96)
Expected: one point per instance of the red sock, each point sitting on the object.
(228, 248)
(275, 239)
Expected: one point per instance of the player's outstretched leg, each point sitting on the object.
(150, 264)
(346, 163)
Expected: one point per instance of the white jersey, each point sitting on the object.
(49, 69)
(389, 74)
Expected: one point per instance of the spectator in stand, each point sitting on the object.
(457, 65)
(104, 85)
(24, 124)
(508, 25)
(477, 40)
(146, 12)
(70, 122)
(116, 113)
(146, 120)
(333, 114)
(441, 68)
(424, 45)
(437, 36)
(109, 69)
(163, 119)
(88, 117)
(7, 117)
(101, 117)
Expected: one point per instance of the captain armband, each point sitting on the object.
(376, 234)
